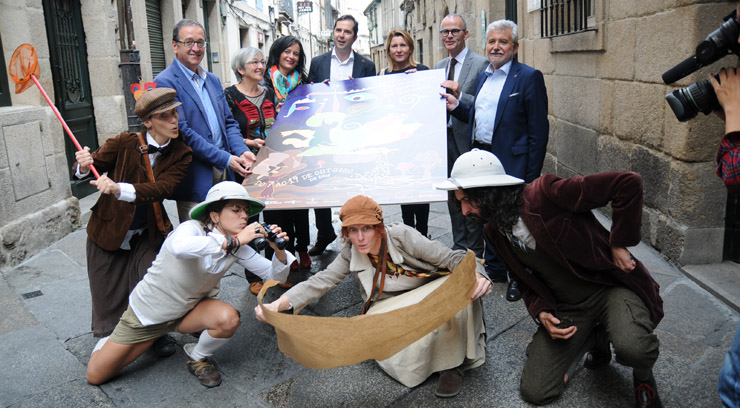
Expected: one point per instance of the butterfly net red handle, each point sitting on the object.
(24, 71)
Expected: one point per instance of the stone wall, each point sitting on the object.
(100, 21)
(424, 20)
(37, 207)
(608, 112)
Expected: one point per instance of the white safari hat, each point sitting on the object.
(226, 190)
(477, 168)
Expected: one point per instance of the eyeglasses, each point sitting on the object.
(191, 44)
(454, 32)
(257, 62)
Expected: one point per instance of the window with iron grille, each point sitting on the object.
(562, 17)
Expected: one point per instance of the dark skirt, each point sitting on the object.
(113, 275)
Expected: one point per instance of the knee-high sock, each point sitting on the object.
(206, 346)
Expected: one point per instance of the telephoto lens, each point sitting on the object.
(687, 102)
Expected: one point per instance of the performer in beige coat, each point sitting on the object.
(415, 266)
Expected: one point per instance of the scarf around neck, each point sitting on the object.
(282, 84)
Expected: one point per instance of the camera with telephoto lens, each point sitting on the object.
(687, 102)
(260, 243)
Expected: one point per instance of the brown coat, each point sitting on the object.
(558, 214)
(120, 158)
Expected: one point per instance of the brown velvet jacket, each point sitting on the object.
(120, 158)
(558, 214)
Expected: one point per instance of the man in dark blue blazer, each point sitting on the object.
(508, 118)
(337, 65)
(204, 119)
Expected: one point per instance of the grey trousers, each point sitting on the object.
(628, 327)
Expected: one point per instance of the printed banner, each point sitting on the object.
(384, 137)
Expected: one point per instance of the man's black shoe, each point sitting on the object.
(646, 393)
(164, 346)
(512, 292)
(601, 354)
(321, 244)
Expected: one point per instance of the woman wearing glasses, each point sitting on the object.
(251, 104)
(179, 289)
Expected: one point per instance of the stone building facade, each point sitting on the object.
(608, 112)
(78, 44)
(606, 100)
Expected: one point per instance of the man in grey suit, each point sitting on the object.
(460, 82)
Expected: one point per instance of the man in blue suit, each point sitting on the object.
(204, 119)
(508, 118)
(339, 64)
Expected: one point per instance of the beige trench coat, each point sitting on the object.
(460, 342)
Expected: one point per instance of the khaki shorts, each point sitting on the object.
(130, 331)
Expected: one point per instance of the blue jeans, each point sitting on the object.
(729, 376)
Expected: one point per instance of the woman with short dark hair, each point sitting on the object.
(179, 289)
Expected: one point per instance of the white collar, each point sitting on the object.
(504, 69)
(334, 55)
(150, 140)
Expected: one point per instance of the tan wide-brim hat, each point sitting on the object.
(477, 168)
(361, 210)
(154, 101)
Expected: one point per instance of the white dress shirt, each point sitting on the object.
(486, 103)
(341, 70)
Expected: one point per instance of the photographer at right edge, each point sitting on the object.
(728, 155)
(728, 167)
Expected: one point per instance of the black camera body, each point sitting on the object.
(687, 102)
(260, 243)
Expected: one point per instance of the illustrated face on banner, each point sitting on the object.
(381, 136)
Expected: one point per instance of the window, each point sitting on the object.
(561, 17)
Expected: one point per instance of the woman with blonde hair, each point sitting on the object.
(399, 51)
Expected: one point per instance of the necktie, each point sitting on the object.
(451, 73)
(450, 77)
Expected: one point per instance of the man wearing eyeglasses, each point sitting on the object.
(205, 119)
(462, 66)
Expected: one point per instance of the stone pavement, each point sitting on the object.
(45, 343)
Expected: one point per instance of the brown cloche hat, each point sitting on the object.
(361, 210)
(155, 100)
